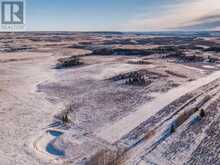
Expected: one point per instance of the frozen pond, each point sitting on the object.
(50, 147)
(55, 133)
(52, 150)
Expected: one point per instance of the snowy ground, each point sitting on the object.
(25, 113)
(108, 114)
(115, 132)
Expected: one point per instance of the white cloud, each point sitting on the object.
(178, 15)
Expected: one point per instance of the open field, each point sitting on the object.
(109, 98)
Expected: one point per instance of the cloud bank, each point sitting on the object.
(188, 15)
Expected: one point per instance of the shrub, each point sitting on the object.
(202, 113)
(68, 62)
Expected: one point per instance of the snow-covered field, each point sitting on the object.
(24, 112)
(121, 107)
(115, 132)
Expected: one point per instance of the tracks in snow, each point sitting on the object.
(161, 131)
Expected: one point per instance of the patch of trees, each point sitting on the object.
(213, 49)
(137, 79)
(138, 52)
(191, 58)
(165, 40)
(68, 62)
(140, 78)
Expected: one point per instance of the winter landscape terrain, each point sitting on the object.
(100, 98)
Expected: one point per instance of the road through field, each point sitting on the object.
(113, 133)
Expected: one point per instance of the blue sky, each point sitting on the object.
(81, 14)
(122, 15)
